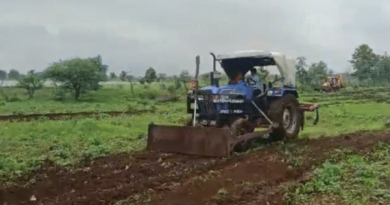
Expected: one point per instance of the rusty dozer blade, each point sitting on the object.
(204, 141)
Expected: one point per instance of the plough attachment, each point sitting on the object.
(204, 141)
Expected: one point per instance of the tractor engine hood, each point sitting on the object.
(226, 89)
(239, 88)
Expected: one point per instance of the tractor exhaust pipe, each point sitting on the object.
(214, 60)
(212, 79)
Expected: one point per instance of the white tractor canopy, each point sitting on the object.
(243, 61)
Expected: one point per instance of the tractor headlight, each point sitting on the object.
(269, 92)
(216, 97)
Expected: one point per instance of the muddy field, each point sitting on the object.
(260, 176)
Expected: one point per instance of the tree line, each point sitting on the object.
(12, 75)
(150, 76)
(368, 67)
(78, 76)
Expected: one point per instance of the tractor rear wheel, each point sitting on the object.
(285, 111)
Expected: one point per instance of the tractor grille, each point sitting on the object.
(207, 105)
(232, 106)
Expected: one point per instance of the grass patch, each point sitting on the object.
(26, 145)
(110, 97)
(347, 118)
(357, 179)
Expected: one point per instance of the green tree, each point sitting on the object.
(31, 82)
(205, 77)
(317, 73)
(102, 69)
(3, 75)
(301, 74)
(363, 60)
(150, 75)
(161, 77)
(319, 69)
(177, 81)
(13, 74)
(77, 75)
(142, 81)
(185, 76)
(123, 75)
(381, 72)
(112, 75)
(131, 78)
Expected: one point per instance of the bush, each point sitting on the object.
(172, 89)
(59, 94)
(177, 84)
(14, 98)
(31, 82)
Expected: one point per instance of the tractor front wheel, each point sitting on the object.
(286, 113)
(240, 127)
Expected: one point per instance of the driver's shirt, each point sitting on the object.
(255, 78)
(258, 83)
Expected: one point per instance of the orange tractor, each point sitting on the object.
(333, 83)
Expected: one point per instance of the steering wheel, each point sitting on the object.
(250, 81)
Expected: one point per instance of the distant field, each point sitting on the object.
(112, 97)
(12, 83)
(349, 111)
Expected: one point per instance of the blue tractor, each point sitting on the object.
(226, 116)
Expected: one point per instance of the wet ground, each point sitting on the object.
(257, 177)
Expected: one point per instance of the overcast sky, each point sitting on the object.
(132, 35)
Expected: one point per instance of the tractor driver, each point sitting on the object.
(254, 78)
(239, 77)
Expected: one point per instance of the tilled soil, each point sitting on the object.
(257, 177)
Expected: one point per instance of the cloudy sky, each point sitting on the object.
(132, 35)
